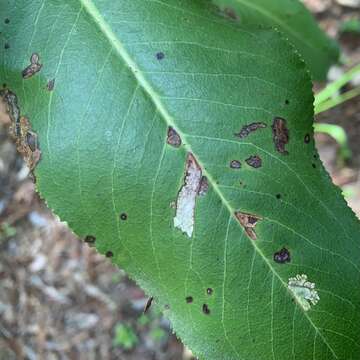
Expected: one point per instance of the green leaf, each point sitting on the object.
(295, 21)
(125, 337)
(127, 95)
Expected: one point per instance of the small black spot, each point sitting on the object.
(206, 309)
(167, 306)
(287, 102)
(189, 299)
(109, 254)
(313, 165)
(235, 164)
(160, 55)
(209, 291)
(123, 216)
(307, 139)
(7, 46)
(315, 156)
(278, 196)
(7, 21)
(282, 256)
(4, 85)
(90, 239)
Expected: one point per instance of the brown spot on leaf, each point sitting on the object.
(254, 161)
(235, 164)
(50, 85)
(189, 299)
(247, 129)
(307, 139)
(231, 13)
(33, 68)
(173, 138)
(282, 256)
(280, 135)
(206, 309)
(148, 304)
(248, 222)
(109, 254)
(204, 186)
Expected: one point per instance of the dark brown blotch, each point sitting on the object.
(254, 161)
(173, 138)
(280, 135)
(205, 309)
(235, 164)
(204, 186)
(282, 256)
(33, 68)
(249, 128)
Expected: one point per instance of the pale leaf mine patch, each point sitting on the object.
(304, 291)
(186, 200)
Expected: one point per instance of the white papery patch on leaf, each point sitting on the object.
(304, 291)
(186, 200)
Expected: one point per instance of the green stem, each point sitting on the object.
(332, 102)
(335, 86)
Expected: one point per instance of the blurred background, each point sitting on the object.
(60, 300)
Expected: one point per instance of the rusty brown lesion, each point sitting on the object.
(248, 222)
(254, 161)
(20, 129)
(173, 138)
(34, 67)
(247, 129)
(280, 135)
(186, 199)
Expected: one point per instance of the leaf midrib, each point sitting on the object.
(114, 41)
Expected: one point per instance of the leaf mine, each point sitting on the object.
(246, 130)
(248, 222)
(280, 135)
(186, 200)
(304, 291)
